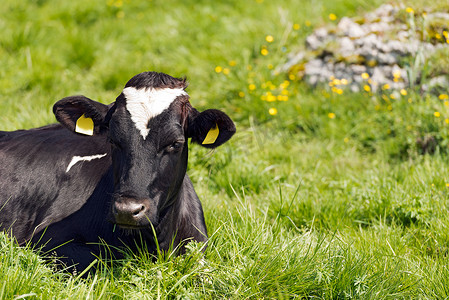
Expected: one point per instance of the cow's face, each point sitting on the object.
(148, 127)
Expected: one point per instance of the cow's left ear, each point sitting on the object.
(81, 114)
(210, 128)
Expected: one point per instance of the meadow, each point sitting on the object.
(318, 195)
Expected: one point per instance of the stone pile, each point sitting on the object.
(374, 49)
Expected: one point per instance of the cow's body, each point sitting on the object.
(35, 189)
(71, 192)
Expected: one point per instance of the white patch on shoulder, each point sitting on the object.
(76, 159)
(144, 104)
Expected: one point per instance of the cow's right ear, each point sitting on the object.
(81, 114)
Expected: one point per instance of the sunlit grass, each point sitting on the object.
(321, 193)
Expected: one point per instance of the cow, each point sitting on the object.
(110, 175)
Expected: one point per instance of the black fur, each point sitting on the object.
(114, 199)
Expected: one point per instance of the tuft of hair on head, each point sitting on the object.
(156, 80)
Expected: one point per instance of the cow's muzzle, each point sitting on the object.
(130, 212)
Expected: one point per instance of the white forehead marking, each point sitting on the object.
(76, 159)
(144, 104)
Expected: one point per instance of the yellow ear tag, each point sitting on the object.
(84, 125)
(211, 136)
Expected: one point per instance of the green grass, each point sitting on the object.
(334, 197)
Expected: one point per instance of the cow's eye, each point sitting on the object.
(175, 147)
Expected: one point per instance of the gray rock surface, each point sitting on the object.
(377, 44)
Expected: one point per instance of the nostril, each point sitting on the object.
(139, 210)
(130, 211)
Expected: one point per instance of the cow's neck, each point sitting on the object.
(177, 223)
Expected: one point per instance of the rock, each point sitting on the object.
(377, 44)
(440, 82)
(438, 15)
(350, 29)
(315, 40)
(385, 58)
(347, 47)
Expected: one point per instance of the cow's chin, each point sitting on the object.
(131, 227)
(142, 224)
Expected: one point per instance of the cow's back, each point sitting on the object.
(38, 186)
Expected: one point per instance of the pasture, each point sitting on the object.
(319, 195)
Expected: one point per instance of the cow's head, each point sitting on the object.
(148, 127)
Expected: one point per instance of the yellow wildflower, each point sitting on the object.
(269, 38)
(346, 139)
(337, 90)
(252, 87)
(447, 121)
(308, 23)
(291, 76)
(226, 71)
(296, 26)
(367, 88)
(397, 74)
(232, 63)
(443, 96)
(386, 86)
(331, 115)
(241, 94)
(344, 81)
(403, 92)
(409, 10)
(272, 111)
(270, 97)
(218, 69)
(365, 75)
(437, 114)
(446, 103)
(264, 51)
(332, 17)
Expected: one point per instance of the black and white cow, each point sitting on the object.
(109, 173)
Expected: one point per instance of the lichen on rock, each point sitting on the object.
(390, 44)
